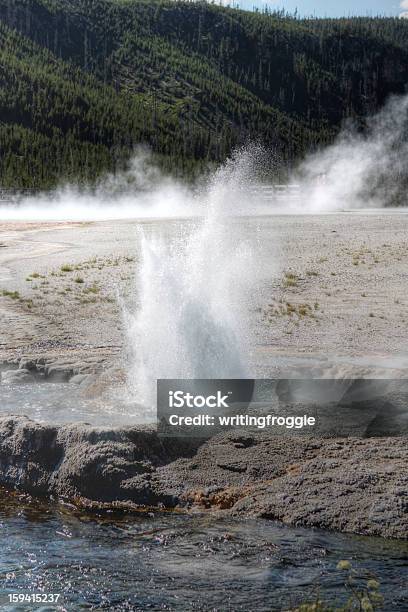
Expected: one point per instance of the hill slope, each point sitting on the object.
(84, 81)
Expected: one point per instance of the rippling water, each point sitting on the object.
(178, 562)
(61, 403)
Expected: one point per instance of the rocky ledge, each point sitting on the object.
(355, 485)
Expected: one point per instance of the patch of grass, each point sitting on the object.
(66, 268)
(312, 273)
(288, 309)
(304, 310)
(79, 280)
(362, 591)
(14, 295)
(290, 280)
(34, 275)
(92, 289)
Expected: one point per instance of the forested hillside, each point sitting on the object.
(84, 81)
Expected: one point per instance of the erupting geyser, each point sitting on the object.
(193, 290)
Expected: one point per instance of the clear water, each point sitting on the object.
(61, 403)
(177, 562)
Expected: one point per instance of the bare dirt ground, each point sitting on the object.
(333, 293)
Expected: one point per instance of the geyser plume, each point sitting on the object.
(193, 290)
(366, 169)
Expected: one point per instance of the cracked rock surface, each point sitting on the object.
(353, 485)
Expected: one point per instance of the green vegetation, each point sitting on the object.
(67, 268)
(85, 81)
(92, 289)
(362, 593)
(14, 295)
(290, 279)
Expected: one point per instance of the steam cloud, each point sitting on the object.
(362, 169)
(141, 191)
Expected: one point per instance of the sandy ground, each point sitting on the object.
(332, 296)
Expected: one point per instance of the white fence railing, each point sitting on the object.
(13, 195)
(277, 192)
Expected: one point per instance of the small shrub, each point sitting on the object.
(361, 589)
(93, 289)
(290, 280)
(14, 295)
(67, 268)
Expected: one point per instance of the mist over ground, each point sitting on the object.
(364, 168)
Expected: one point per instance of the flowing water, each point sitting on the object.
(62, 403)
(177, 562)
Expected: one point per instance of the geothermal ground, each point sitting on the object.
(331, 291)
(328, 297)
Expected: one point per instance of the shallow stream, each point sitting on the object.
(177, 562)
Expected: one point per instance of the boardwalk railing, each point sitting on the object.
(14, 195)
(269, 193)
(266, 193)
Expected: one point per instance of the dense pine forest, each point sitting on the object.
(85, 81)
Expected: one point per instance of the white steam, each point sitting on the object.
(367, 170)
(141, 191)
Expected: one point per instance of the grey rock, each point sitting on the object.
(27, 364)
(17, 377)
(79, 461)
(58, 372)
(79, 379)
(353, 485)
